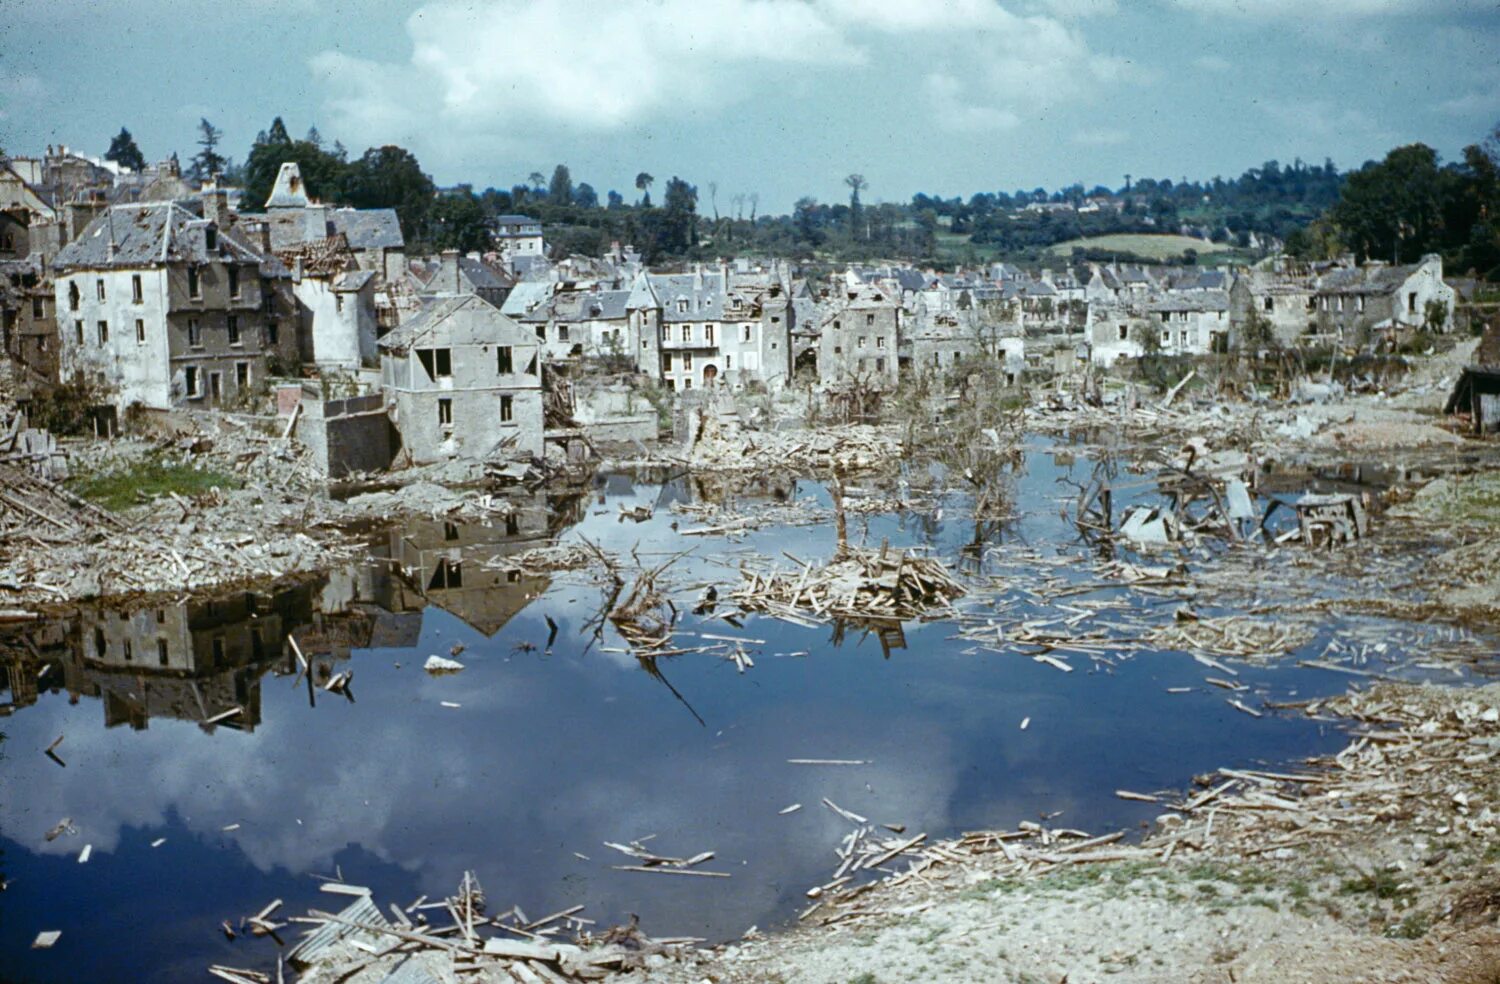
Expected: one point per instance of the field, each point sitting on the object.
(1155, 247)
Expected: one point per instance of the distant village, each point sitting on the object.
(153, 293)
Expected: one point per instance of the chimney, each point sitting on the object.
(216, 206)
(447, 275)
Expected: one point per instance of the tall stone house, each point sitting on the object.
(859, 335)
(463, 380)
(163, 308)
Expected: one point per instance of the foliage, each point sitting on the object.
(155, 475)
(458, 221)
(67, 408)
(322, 171)
(124, 152)
(208, 162)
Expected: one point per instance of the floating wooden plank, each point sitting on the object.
(830, 761)
(46, 939)
(663, 870)
(1126, 794)
(339, 888)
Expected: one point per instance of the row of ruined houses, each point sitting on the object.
(192, 302)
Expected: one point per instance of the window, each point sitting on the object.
(880, 341)
(708, 334)
(129, 652)
(666, 333)
(211, 238)
(218, 649)
(136, 294)
(671, 384)
(861, 365)
(104, 333)
(195, 284)
(1411, 303)
(869, 319)
(838, 350)
(958, 357)
(666, 362)
(1166, 337)
(682, 307)
(242, 374)
(687, 362)
(835, 324)
(99, 288)
(195, 334)
(445, 412)
(1124, 332)
(450, 531)
(140, 332)
(687, 384)
(437, 362)
(161, 651)
(860, 342)
(1270, 304)
(541, 332)
(72, 295)
(232, 322)
(687, 333)
(507, 408)
(234, 282)
(447, 574)
(880, 365)
(1341, 302)
(728, 362)
(745, 333)
(562, 333)
(273, 332)
(190, 379)
(503, 363)
(1359, 303)
(1166, 316)
(38, 307)
(78, 332)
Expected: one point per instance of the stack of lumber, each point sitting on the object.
(858, 583)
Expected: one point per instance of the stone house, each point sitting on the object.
(293, 219)
(859, 335)
(1278, 296)
(335, 315)
(1194, 322)
(463, 380)
(164, 308)
(28, 319)
(519, 236)
(1355, 300)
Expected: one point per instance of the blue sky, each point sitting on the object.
(776, 97)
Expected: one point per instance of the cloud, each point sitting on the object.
(1212, 63)
(1321, 119)
(1302, 10)
(496, 73)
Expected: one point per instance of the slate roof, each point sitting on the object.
(149, 234)
(1202, 300)
(370, 228)
(1365, 279)
(705, 300)
(525, 296)
(435, 311)
(516, 220)
(482, 276)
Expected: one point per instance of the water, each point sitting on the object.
(553, 751)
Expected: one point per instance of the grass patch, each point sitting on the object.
(146, 479)
(1152, 246)
(1382, 884)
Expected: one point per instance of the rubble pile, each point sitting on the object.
(858, 447)
(856, 584)
(1236, 636)
(448, 939)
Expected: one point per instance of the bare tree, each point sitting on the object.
(754, 201)
(713, 200)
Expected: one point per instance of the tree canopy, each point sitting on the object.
(124, 152)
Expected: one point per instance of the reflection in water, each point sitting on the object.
(532, 756)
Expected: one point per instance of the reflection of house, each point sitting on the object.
(449, 564)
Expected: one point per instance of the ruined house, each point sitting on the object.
(1353, 301)
(455, 273)
(1191, 322)
(859, 334)
(163, 308)
(334, 313)
(293, 219)
(463, 380)
(577, 320)
(28, 320)
(1272, 302)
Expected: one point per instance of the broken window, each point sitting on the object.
(1124, 332)
(78, 332)
(99, 288)
(860, 342)
(541, 332)
(242, 374)
(503, 363)
(437, 362)
(450, 531)
(1411, 303)
(1270, 304)
(218, 645)
(273, 332)
(835, 324)
(666, 362)
(161, 651)
(195, 283)
(136, 294)
(445, 412)
(140, 332)
(507, 408)
(671, 384)
(447, 574)
(38, 307)
(233, 325)
(531, 366)
(195, 334)
(869, 319)
(880, 365)
(190, 380)
(1166, 316)
(838, 350)
(880, 341)
(104, 333)
(234, 282)
(72, 295)
(211, 237)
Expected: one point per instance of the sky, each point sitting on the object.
(776, 98)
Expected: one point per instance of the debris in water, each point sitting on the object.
(437, 665)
